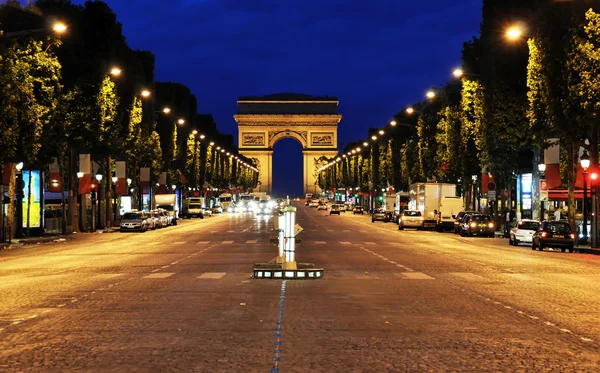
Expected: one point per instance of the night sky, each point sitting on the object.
(376, 56)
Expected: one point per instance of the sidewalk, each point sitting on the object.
(587, 249)
(53, 238)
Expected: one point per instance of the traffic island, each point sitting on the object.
(284, 266)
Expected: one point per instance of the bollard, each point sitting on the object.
(290, 238)
(281, 236)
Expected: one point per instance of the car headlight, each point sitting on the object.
(473, 225)
(491, 225)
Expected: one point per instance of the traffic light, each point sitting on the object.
(594, 176)
(380, 198)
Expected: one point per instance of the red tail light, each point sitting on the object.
(543, 234)
(572, 235)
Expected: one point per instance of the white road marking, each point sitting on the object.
(108, 275)
(179, 243)
(251, 241)
(369, 243)
(346, 230)
(212, 275)
(345, 243)
(202, 242)
(160, 275)
(415, 276)
(227, 242)
(320, 242)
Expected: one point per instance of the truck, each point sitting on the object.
(226, 202)
(168, 202)
(437, 203)
(193, 206)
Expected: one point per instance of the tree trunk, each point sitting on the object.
(63, 208)
(571, 177)
(535, 196)
(10, 218)
(107, 201)
(28, 204)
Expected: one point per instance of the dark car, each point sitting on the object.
(358, 210)
(477, 225)
(459, 220)
(380, 215)
(554, 234)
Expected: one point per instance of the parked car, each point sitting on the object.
(554, 234)
(313, 203)
(133, 221)
(380, 215)
(358, 210)
(523, 232)
(162, 219)
(410, 219)
(349, 206)
(477, 225)
(335, 209)
(217, 209)
(169, 219)
(459, 220)
(322, 206)
(206, 212)
(151, 221)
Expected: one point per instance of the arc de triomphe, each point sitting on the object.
(312, 121)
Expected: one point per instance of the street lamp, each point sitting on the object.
(115, 71)
(514, 32)
(542, 169)
(584, 161)
(59, 27)
(145, 93)
(94, 201)
(114, 181)
(180, 121)
(457, 73)
(430, 94)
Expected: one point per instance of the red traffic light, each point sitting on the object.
(594, 176)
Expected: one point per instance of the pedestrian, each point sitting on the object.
(557, 215)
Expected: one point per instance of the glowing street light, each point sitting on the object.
(410, 110)
(115, 71)
(166, 110)
(393, 123)
(145, 93)
(194, 132)
(430, 94)
(457, 73)
(181, 121)
(365, 143)
(514, 32)
(59, 27)
(381, 132)
(373, 137)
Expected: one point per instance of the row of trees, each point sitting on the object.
(61, 95)
(496, 117)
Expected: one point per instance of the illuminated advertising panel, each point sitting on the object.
(32, 198)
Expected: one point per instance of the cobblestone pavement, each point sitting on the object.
(181, 299)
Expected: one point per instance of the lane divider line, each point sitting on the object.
(277, 335)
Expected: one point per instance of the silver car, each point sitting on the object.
(410, 219)
(133, 221)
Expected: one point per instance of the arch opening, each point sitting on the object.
(287, 168)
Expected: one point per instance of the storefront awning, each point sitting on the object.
(562, 195)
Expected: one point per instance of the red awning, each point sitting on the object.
(553, 176)
(563, 194)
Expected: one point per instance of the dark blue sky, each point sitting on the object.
(376, 56)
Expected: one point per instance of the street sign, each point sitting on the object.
(491, 195)
(297, 229)
(491, 186)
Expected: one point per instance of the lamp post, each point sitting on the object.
(79, 203)
(584, 160)
(19, 206)
(114, 185)
(542, 169)
(99, 220)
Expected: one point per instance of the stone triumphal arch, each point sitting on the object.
(312, 121)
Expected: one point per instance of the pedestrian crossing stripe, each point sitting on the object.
(212, 275)
(160, 275)
(202, 242)
(108, 275)
(251, 241)
(320, 242)
(227, 242)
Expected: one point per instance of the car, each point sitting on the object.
(523, 232)
(151, 221)
(342, 207)
(335, 209)
(477, 225)
(410, 219)
(554, 234)
(358, 210)
(133, 221)
(162, 219)
(313, 203)
(322, 206)
(349, 206)
(263, 207)
(379, 215)
(459, 220)
(217, 209)
(206, 212)
(170, 219)
(306, 203)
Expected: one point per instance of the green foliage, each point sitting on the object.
(448, 145)
(29, 77)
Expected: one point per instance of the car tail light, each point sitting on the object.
(491, 225)
(572, 235)
(544, 234)
(421, 218)
(473, 225)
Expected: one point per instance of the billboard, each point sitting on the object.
(33, 199)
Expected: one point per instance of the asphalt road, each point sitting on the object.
(181, 299)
